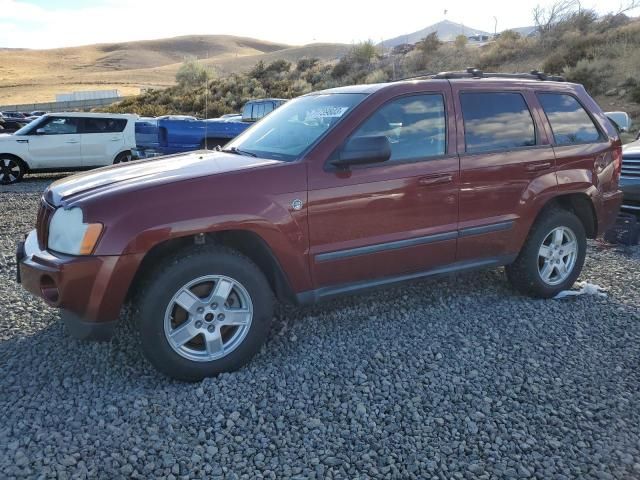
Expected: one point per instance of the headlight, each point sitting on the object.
(68, 234)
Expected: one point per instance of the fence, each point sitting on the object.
(61, 106)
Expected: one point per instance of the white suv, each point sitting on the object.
(66, 142)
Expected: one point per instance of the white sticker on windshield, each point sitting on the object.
(329, 111)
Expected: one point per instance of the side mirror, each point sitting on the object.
(620, 120)
(40, 131)
(362, 151)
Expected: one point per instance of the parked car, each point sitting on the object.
(9, 125)
(171, 134)
(65, 142)
(38, 113)
(630, 178)
(13, 115)
(333, 193)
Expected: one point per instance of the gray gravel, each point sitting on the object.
(454, 378)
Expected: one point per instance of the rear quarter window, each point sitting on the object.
(496, 121)
(570, 122)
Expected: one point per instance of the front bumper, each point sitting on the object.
(631, 189)
(90, 290)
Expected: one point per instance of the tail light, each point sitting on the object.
(617, 160)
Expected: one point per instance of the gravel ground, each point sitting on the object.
(453, 378)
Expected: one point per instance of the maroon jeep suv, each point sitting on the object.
(333, 193)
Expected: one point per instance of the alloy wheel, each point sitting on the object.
(208, 318)
(557, 255)
(9, 170)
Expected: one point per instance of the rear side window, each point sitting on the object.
(496, 121)
(104, 125)
(415, 127)
(569, 121)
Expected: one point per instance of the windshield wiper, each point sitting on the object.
(237, 151)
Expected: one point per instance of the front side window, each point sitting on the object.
(496, 121)
(569, 121)
(415, 127)
(290, 130)
(58, 126)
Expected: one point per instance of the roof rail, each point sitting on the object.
(477, 73)
(417, 76)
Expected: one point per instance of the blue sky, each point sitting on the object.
(61, 23)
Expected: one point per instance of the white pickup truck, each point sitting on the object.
(66, 142)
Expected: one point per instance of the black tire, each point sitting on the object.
(11, 170)
(524, 273)
(213, 143)
(167, 279)
(123, 157)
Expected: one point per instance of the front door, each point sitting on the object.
(393, 218)
(55, 144)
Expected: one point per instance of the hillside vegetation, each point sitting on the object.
(601, 52)
(28, 76)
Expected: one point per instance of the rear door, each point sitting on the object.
(579, 144)
(55, 144)
(102, 139)
(394, 218)
(505, 160)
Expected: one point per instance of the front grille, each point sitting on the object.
(45, 212)
(631, 166)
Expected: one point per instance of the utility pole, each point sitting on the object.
(495, 27)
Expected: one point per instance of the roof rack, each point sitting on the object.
(477, 73)
(417, 76)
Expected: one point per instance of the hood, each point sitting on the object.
(6, 136)
(141, 174)
(631, 148)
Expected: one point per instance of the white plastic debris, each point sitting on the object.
(586, 288)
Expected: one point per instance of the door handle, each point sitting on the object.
(115, 139)
(72, 141)
(22, 141)
(435, 180)
(535, 167)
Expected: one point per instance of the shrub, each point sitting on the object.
(461, 41)
(594, 75)
(430, 43)
(192, 73)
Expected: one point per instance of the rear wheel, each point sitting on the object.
(204, 312)
(11, 170)
(123, 157)
(552, 257)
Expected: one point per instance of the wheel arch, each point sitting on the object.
(246, 242)
(18, 158)
(581, 205)
(126, 150)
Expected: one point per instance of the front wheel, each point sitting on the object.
(204, 312)
(552, 257)
(11, 170)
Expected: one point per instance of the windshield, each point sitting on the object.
(26, 130)
(289, 131)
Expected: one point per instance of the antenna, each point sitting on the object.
(206, 107)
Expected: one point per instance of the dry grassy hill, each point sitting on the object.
(37, 75)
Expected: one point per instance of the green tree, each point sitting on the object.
(192, 73)
(364, 52)
(461, 42)
(430, 43)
